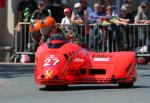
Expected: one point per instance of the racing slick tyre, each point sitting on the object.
(126, 85)
(49, 87)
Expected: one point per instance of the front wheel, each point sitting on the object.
(126, 85)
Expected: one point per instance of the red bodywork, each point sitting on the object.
(72, 64)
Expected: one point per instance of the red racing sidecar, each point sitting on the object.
(61, 63)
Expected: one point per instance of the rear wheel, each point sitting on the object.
(126, 85)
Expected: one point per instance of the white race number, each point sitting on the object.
(51, 61)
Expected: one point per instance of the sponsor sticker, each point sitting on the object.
(78, 60)
(97, 59)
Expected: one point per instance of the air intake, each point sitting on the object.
(97, 71)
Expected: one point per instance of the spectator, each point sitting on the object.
(108, 2)
(49, 3)
(67, 28)
(129, 4)
(123, 11)
(142, 14)
(66, 21)
(130, 12)
(125, 31)
(41, 13)
(25, 10)
(115, 20)
(85, 6)
(125, 14)
(141, 1)
(141, 18)
(66, 3)
(116, 36)
(95, 16)
(79, 16)
(57, 10)
(111, 3)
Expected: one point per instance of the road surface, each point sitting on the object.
(17, 86)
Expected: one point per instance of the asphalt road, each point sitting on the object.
(17, 86)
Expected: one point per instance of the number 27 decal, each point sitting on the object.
(51, 61)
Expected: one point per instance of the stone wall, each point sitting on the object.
(7, 24)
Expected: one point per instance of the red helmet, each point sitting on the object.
(67, 10)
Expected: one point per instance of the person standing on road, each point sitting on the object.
(25, 10)
(40, 13)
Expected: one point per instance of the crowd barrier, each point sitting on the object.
(23, 43)
(134, 37)
(139, 38)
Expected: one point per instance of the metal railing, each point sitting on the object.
(23, 43)
(140, 38)
(23, 40)
(134, 37)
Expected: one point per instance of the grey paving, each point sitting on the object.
(17, 86)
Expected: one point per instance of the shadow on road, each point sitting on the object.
(12, 71)
(81, 88)
(145, 75)
(143, 67)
